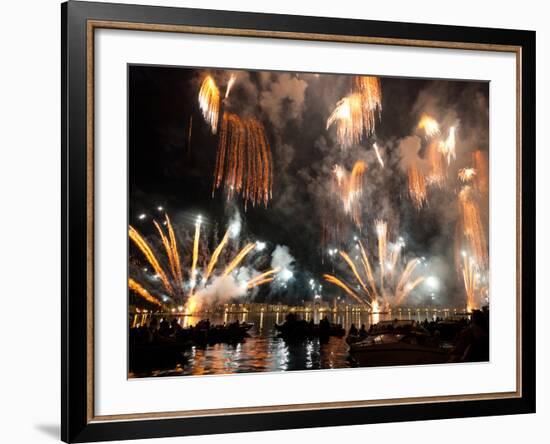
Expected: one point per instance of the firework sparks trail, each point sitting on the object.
(137, 288)
(216, 254)
(350, 189)
(263, 278)
(167, 248)
(448, 146)
(402, 280)
(371, 96)
(472, 226)
(368, 271)
(244, 160)
(173, 280)
(353, 268)
(209, 102)
(395, 254)
(230, 83)
(356, 114)
(239, 258)
(144, 247)
(381, 233)
(482, 168)
(437, 172)
(377, 151)
(417, 187)
(405, 286)
(195, 254)
(171, 251)
(348, 117)
(469, 275)
(429, 125)
(334, 280)
(175, 253)
(466, 174)
(255, 284)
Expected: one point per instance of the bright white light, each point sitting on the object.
(260, 246)
(235, 229)
(180, 308)
(142, 216)
(463, 253)
(286, 274)
(432, 282)
(160, 208)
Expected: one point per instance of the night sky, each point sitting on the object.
(165, 170)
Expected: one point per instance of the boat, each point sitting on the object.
(397, 343)
(294, 329)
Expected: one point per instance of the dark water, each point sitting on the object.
(263, 351)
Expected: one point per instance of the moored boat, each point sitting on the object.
(397, 343)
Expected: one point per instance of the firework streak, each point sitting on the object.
(350, 189)
(138, 289)
(471, 226)
(417, 186)
(244, 161)
(429, 125)
(209, 102)
(466, 174)
(356, 114)
(448, 146)
(393, 276)
(180, 285)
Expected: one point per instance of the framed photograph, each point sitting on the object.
(276, 221)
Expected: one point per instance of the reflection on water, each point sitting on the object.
(263, 351)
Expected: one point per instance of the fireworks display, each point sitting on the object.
(389, 283)
(183, 284)
(137, 288)
(350, 189)
(470, 277)
(378, 156)
(355, 115)
(314, 164)
(429, 125)
(482, 171)
(417, 187)
(437, 171)
(348, 118)
(230, 84)
(466, 174)
(244, 162)
(209, 102)
(471, 226)
(371, 97)
(448, 146)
